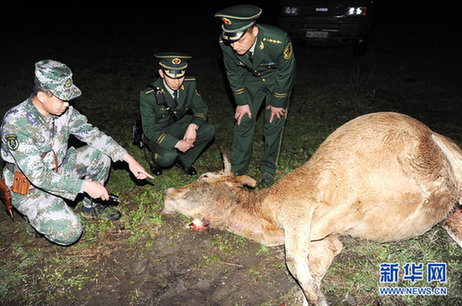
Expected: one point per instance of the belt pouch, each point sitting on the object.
(21, 184)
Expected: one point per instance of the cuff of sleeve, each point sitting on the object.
(167, 141)
(119, 155)
(241, 96)
(75, 186)
(279, 100)
(81, 187)
(198, 119)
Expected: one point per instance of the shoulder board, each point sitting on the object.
(189, 78)
(274, 41)
(150, 89)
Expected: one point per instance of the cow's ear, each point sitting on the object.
(246, 180)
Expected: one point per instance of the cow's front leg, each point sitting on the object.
(297, 237)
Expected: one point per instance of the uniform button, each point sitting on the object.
(263, 80)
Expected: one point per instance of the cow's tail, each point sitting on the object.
(453, 223)
(454, 155)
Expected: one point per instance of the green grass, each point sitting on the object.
(328, 92)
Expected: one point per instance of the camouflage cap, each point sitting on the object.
(173, 64)
(236, 20)
(57, 78)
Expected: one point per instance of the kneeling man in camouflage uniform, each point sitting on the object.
(43, 171)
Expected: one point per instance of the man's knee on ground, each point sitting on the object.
(167, 158)
(64, 231)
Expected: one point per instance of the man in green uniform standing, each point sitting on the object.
(260, 65)
(43, 171)
(174, 116)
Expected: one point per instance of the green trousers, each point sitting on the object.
(165, 158)
(244, 137)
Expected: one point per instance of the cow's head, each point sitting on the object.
(210, 189)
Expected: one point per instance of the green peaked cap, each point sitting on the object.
(236, 20)
(173, 64)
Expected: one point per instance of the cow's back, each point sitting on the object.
(380, 176)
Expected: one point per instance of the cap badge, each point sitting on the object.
(176, 61)
(68, 83)
(226, 20)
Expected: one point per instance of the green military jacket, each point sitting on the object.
(272, 66)
(28, 136)
(155, 118)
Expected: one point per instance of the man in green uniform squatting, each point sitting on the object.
(171, 134)
(260, 65)
(43, 171)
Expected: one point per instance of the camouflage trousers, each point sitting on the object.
(50, 215)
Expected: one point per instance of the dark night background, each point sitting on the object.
(82, 34)
(121, 40)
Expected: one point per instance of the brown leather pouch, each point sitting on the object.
(21, 184)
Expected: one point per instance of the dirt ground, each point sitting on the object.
(177, 270)
(169, 274)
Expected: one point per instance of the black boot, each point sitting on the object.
(267, 179)
(101, 211)
(186, 170)
(156, 170)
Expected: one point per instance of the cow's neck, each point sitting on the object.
(242, 214)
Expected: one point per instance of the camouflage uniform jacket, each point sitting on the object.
(27, 136)
(155, 118)
(272, 67)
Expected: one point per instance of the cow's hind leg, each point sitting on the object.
(321, 254)
(297, 244)
(453, 225)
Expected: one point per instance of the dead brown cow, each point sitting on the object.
(381, 176)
